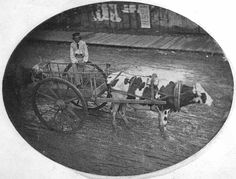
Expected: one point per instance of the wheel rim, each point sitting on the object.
(52, 105)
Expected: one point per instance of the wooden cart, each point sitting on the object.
(61, 105)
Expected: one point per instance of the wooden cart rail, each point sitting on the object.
(57, 62)
(64, 66)
(64, 73)
(90, 75)
(57, 67)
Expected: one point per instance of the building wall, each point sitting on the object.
(124, 17)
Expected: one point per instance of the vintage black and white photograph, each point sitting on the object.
(118, 88)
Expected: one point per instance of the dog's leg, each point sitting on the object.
(115, 108)
(122, 111)
(163, 119)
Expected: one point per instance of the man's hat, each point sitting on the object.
(76, 34)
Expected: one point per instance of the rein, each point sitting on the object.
(116, 77)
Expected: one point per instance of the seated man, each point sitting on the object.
(78, 56)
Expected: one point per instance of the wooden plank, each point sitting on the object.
(140, 40)
(114, 37)
(214, 47)
(144, 40)
(110, 38)
(168, 39)
(179, 44)
(131, 40)
(154, 40)
(163, 42)
(122, 40)
(196, 43)
(187, 43)
(203, 44)
(208, 45)
(150, 40)
(153, 45)
(103, 37)
(118, 40)
(96, 36)
(170, 43)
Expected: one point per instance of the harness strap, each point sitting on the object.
(126, 93)
(152, 85)
(177, 92)
(116, 77)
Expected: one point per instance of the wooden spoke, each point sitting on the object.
(71, 112)
(49, 110)
(55, 115)
(66, 93)
(53, 92)
(58, 89)
(46, 96)
(71, 99)
(53, 108)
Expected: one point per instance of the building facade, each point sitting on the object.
(123, 17)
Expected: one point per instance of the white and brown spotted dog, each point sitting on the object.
(139, 87)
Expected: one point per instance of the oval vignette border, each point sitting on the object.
(211, 143)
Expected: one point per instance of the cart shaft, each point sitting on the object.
(130, 101)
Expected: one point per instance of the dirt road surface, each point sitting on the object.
(95, 148)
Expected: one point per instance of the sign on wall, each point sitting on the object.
(144, 13)
(106, 12)
(114, 16)
(129, 8)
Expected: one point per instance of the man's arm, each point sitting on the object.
(86, 55)
(72, 54)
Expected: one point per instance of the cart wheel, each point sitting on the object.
(101, 78)
(51, 102)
